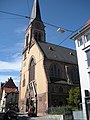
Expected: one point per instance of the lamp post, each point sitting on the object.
(62, 30)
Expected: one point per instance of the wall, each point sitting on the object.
(84, 70)
(40, 76)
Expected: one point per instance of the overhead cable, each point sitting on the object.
(14, 14)
(32, 18)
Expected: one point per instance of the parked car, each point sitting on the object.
(10, 115)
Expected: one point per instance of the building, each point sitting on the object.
(9, 95)
(48, 71)
(82, 40)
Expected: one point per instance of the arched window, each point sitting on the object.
(74, 74)
(27, 37)
(60, 89)
(23, 80)
(39, 37)
(55, 72)
(32, 70)
(35, 35)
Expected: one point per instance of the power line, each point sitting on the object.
(14, 14)
(9, 13)
(58, 27)
(68, 36)
(10, 18)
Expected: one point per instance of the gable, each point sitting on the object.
(9, 84)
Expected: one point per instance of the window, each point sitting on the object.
(25, 55)
(32, 70)
(60, 89)
(89, 76)
(35, 35)
(88, 57)
(39, 37)
(23, 81)
(27, 37)
(74, 74)
(80, 41)
(88, 37)
(55, 72)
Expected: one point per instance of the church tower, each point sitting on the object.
(35, 33)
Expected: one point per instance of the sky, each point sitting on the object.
(68, 14)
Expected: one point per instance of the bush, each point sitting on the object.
(60, 110)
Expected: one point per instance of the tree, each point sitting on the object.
(74, 97)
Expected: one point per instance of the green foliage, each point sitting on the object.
(74, 97)
(73, 102)
(59, 110)
(56, 110)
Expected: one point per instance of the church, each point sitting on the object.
(48, 71)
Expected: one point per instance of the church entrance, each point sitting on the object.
(31, 100)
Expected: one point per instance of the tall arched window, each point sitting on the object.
(74, 74)
(35, 36)
(39, 37)
(27, 37)
(55, 72)
(32, 70)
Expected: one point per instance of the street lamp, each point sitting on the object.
(61, 30)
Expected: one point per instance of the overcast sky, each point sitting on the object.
(69, 14)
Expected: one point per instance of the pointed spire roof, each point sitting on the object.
(35, 11)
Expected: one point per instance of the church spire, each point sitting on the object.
(35, 11)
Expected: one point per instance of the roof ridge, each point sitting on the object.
(57, 45)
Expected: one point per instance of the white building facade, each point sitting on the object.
(82, 40)
(3, 102)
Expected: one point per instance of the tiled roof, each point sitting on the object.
(9, 90)
(87, 23)
(84, 28)
(9, 84)
(58, 53)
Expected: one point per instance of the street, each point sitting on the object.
(25, 117)
(31, 118)
(48, 117)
